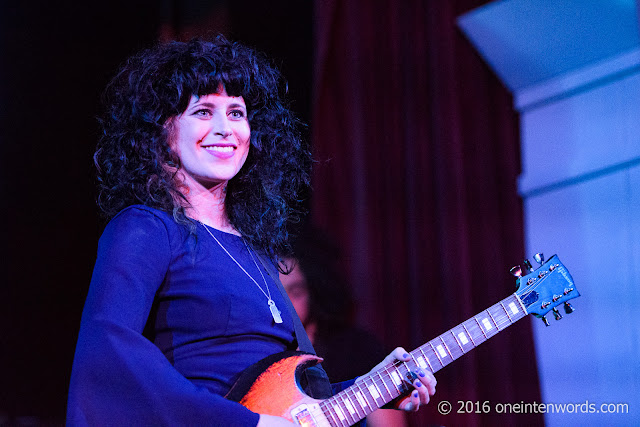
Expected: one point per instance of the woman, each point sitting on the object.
(200, 169)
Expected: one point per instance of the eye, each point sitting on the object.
(203, 113)
(237, 114)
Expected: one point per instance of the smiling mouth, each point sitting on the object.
(220, 149)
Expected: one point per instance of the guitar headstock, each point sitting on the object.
(543, 289)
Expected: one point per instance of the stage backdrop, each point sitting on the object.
(418, 155)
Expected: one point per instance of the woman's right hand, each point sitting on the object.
(273, 421)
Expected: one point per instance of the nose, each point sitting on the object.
(221, 125)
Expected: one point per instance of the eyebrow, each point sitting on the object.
(212, 105)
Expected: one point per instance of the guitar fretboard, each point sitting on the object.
(379, 388)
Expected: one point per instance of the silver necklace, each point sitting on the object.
(275, 313)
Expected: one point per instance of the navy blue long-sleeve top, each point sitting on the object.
(169, 323)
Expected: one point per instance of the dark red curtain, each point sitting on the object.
(418, 152)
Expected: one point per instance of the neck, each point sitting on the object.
(207, 205)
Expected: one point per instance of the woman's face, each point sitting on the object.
(211, 139)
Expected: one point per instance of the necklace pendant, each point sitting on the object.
(275, 312)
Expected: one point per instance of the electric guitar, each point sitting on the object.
(271, 386)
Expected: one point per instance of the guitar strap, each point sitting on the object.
(318, 384)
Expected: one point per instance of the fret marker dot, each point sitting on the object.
(463, 338)
(339, 412)
(350, 407)
(422, 362)
(374, 391)
(361, 400)
(513, 307)
(487, 324)
(441, 351)
(396, 378)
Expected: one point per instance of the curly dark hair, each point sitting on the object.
(133, 152)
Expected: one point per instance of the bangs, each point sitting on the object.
(214, 83)
(207, 77)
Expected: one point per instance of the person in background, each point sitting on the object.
(201, 169)
(324, 303)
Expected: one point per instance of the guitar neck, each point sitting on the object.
(381, 387)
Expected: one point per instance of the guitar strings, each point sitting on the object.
(500, 319)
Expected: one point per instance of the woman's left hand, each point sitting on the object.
(424, 384)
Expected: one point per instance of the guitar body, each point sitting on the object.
(272, 386)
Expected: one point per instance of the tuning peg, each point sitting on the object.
(568, 308)
(546, 322)
(539, 258)
(527, 265)
(516, 271)
(557, 314)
